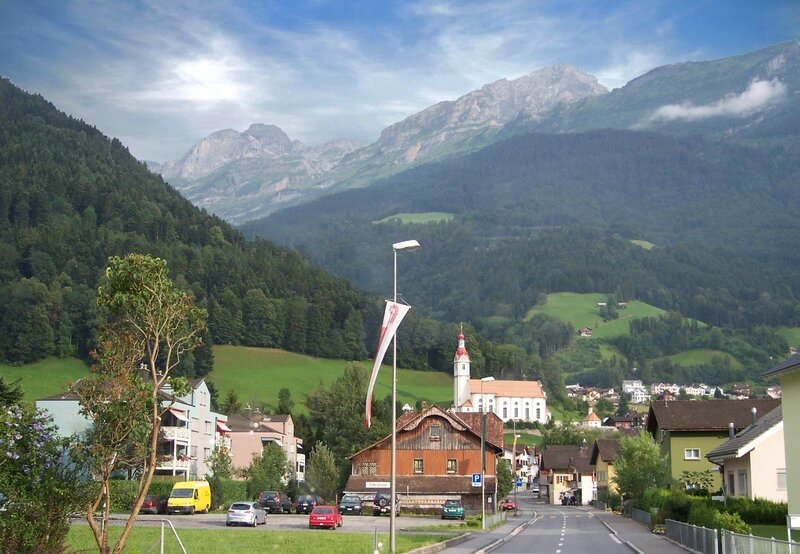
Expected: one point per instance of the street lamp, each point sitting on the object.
(404, 246)
(483, 453)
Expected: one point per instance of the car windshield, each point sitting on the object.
(240, 506)
(182, 493)
(306, 498)
(349, 498)
(323, 510)
(452, 503)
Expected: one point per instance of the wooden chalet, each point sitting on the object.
(438, 451)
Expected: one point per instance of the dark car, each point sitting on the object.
(350, 504)
(382, 504)
(307, 502)
(154, 504)
(275, 502)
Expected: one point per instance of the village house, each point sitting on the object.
(190, 429)
(566, 470)
(788, 372)
(657, 389)
(687, 430)
(252, 432)
(591, 419)
(604, 452)
(753, 462)
(438, 451)
(637, 391)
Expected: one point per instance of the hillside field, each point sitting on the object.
(700, 356)
(792, 335)
(580, 309)
(257, 374)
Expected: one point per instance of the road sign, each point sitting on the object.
(476, 479)
(519, 482)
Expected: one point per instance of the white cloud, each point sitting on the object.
(758, 96)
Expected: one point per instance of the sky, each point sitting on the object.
(161, 75)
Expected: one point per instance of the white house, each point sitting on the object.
(660, 388)
(191, 430)
(520, 400)
(753, 463)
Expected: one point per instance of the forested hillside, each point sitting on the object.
(536, 214)
(70, 197)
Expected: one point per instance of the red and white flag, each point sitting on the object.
(392, 317)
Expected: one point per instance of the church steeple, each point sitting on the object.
(461, 370)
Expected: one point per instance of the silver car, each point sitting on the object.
(246, 513)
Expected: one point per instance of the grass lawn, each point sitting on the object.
(46, 377)
(147, 539)
(581, 311)
(701, 356)
(258, 374)
(426, 217)
(775, 532)
(791, 334)
(527, 436)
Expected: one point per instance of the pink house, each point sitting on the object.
(249, 434)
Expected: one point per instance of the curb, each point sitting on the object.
(439, 546)
(626, 543)
(501, 541)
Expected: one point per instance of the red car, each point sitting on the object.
(154, 504)
(325, 517)
(508, 504)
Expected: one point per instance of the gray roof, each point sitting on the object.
(783, 367)
(746, 437)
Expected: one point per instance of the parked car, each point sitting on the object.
(307, 502)
(325, 517)
(508, 504)
(275, 502)
(350, 504)
(382, 504)
(246, 513)
(189, 497)
(154, 504)
(452, 509)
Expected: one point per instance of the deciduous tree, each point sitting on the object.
(638, 466)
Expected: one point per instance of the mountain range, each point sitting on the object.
(248, 175)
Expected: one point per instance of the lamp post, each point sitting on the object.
(407, 245)
(483, 453)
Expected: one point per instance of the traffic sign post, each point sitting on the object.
(476, 480)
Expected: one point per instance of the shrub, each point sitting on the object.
(653, 499)
(678, 504)
(758, 511)
(731, 522)
(702, 515)
(612, 500)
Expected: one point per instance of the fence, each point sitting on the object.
(733, 543)
(645, 518)
(696, 538)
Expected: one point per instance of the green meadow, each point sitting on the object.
(426, 217)
(46, 377)
(580, 309)
(258, 374)
(700, 356)
(792, 335)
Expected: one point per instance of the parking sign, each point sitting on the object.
(476, 479)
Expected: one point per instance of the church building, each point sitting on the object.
(509, 400)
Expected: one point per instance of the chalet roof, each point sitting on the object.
(500, 387)
(605, 449)
(419, 484)
(784, 367)
(705, 415)
(744, 441)
(566, 457)
(464, 421)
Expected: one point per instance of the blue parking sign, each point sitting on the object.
(476, 479)
(519, 482)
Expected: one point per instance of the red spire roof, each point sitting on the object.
(461, 351)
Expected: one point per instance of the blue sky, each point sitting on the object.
(160, 75)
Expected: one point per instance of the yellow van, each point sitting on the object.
(189, 497)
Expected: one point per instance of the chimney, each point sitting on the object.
(731, 430)
(753, 415)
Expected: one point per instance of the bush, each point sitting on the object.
(226, 491)
(702, 515)
(653, 499)
(758, 511)
(678, 504)
(731, 522)
(611, 500)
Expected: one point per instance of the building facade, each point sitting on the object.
(251, 433)
(507, 399)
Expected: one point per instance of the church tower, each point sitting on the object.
(461, 367)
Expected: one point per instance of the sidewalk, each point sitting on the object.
(636, 535)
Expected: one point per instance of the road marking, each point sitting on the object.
(614, 538)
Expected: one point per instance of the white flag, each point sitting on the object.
(392, 317)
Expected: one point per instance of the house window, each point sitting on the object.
(731, 484)
(367, 468)
(417, 465)
(527, 413)
(741, 483)
(206, 453)
(781, 479)
(193, 451)
(562, 479)
(436, 432)
(601, 475)
(691, 454)
(516, 412)
(538, 414)
(208, 427)
(505, 412)
(452, 466)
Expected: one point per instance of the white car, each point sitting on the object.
(246, 513)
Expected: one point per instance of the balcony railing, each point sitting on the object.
(176, 433)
